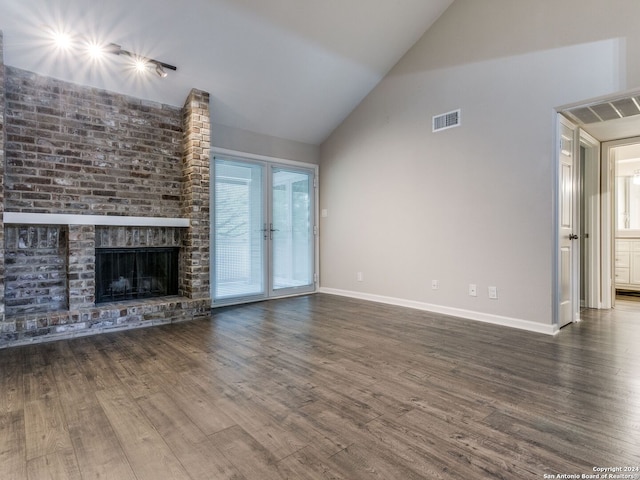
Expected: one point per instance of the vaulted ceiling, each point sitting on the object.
(292, 69)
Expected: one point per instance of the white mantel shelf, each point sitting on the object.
(109, 220)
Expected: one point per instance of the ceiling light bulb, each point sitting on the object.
(141, 65)
(62, 40)
(95, 51)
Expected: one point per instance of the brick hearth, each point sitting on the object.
(74, 153)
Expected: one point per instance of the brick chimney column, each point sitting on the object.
(195, 261)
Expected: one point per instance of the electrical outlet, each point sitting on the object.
(493, 293)
(360, 277)
(473, 290)
(435, 284)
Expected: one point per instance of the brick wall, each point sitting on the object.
(195, 196)
(36, 268)
(124, 237)
(78, 150)
(74, 149)
(81, 266)
(5, 326)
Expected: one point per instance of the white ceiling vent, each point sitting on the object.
(446, 120)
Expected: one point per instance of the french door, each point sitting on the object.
(263, 230)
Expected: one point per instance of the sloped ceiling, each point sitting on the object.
(292, 69)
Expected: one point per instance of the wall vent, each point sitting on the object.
(446, 120)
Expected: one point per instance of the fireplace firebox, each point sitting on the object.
(132, 273)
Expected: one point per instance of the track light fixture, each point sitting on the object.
(142, 64)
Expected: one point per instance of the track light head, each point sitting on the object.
(113, 48)
(160, 70)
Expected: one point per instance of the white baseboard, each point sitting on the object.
(456, 312)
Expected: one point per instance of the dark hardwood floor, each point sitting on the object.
(324, 387)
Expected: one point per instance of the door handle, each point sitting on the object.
(271, 230)
(573, 237)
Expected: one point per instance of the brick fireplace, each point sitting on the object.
(86, 171)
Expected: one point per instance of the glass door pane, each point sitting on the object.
(239, 238)
(292, 238)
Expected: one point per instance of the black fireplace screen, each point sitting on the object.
(126, 274)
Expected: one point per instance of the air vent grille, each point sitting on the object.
(605, 111)
(608, 110)
(446, 120)
(626, 106)
(585, 115)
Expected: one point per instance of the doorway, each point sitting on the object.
(623, 161)
(264, 230)
(614, 122)
(579, 219)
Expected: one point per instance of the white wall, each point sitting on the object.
(245, 141)
(472, 204)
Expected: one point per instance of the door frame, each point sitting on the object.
(592, 163)
(269, 162)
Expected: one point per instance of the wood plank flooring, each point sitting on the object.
(324, 387)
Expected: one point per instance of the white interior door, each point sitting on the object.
(263, 235)
(568, 273)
